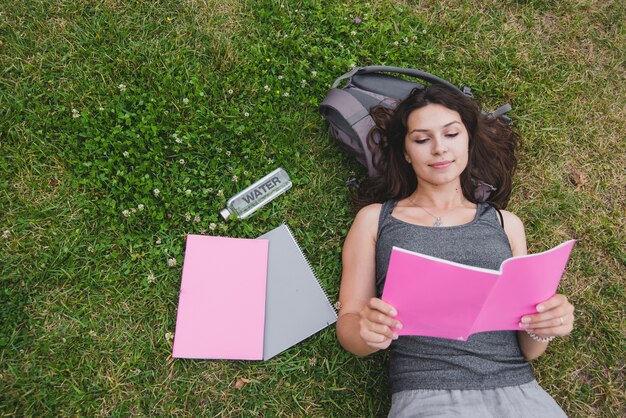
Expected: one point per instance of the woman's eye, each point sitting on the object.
(452, 135)
(420, 140)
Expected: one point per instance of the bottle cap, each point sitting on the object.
(225, 213)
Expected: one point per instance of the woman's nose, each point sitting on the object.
(439, 147)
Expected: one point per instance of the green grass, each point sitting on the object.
(172, 96)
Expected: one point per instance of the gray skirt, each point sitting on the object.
(527, 400)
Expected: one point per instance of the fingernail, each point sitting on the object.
(399, 325)
(393, 312)
(521, 325)
(526, 320)
(395, 336)
(540, 308)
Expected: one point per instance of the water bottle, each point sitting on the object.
(247, 201)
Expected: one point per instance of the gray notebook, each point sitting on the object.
(296, 306)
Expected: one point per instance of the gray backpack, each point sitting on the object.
(347, 109)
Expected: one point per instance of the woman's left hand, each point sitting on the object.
(555, 318)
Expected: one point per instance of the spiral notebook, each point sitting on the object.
(296, 305)
(243, 299)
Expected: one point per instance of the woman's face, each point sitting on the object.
(436, 144)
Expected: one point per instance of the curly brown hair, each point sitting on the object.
(492, 150)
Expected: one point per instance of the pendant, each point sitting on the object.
(437, 222)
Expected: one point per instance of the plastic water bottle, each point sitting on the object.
(247, 201)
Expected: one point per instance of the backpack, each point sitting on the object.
(347, 109)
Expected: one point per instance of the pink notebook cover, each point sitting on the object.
(439, 298)
(221, 310)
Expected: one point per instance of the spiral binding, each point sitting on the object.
(310, 267)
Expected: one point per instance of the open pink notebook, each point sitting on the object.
(439, 298)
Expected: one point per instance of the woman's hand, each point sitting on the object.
(555, 318)
(376, 324)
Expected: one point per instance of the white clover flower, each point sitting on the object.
(75, 113)
(90, 249)
(101, 108)
(121, 87)
(188, 192)
(303, 82)
(187, 217)
(169, 336)
(151, 278)
(352, 65)
(353, 33)
(220, 193)
(406, 40)
(235, 178)
(280, 77)
(181, 161)
(202, 231)
(246, 114)
(6, 234)
(286, 94)
(313, 73)
(228, 153)
(126, 154)
(133, 210)
(158, 241)
(245, 173)
(126, 213)
(396, 43)
(267, 88)
(171, 262)
(212, 226)
(230, 91)
(186, 100)
(196, 219)
(156, 192)
(140, 206)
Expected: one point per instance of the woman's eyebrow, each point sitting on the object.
(444, 126)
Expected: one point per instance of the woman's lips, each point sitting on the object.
(441, 164)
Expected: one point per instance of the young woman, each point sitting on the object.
(433, 151)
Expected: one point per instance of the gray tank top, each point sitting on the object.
(486, 360)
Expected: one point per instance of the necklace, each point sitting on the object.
(437, 222)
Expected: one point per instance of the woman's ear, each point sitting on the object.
(406, 157)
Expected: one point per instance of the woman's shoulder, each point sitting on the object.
(370, 213)
(514, 229)
(511, 219)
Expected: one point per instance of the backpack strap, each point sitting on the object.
(342, 102)
(500, 113)
(422, 75)
(347, 114)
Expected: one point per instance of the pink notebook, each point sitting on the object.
(221, 310)
(439, 298)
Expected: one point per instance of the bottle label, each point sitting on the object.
(261, 190)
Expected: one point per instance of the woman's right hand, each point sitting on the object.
(377, 324)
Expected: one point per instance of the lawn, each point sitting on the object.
(125, 125)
